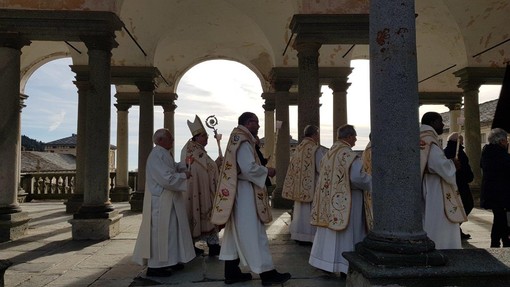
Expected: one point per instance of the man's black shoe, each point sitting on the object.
(464, 236)
(199, 251)
(240, 277)
(159, 272)
(273, 277)
(177, 267)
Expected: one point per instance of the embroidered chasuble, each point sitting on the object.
(299, 184)
(331, 205)
(227, 182)
(453, 208)
(366, 158)
(201, 188)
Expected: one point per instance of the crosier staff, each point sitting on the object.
(211, 122)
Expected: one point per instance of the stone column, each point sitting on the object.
(454, 117)
(169, 120)
(13, 221)
(146, 130)
(122, 191)
(339, 88)
(269, 125)
(282, 142)
(308, 84)
(74, 203)
(396, 182)
(472, 138)
(96, 219)
(21, 195)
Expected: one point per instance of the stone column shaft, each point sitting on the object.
(146, 130)
(282, 143)
(308, 85)
(122, 189)
(455, 114)
(269, 124)
(13, 222)
(472, 140)
(169, 120)
(339, 103)
(396, 182)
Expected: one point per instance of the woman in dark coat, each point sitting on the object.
(464, 175)
(495, 194)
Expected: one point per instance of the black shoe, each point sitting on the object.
(177, 267)
(159, 272)
(198, 251)
(214, 249)
(240, 277)
(274, 277)
(464, 236)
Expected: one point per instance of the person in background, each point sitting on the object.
(201, 187)
(443, 210)
(337, 208)
(464, 175)
(164, 240)
(300, 182)
(495, 193)
(242, 204)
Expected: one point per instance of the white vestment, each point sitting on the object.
(245, 236)
(164, 238)
(300, 227)
(444, 233)
(328, 244)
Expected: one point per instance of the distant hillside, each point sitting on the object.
(31, 144)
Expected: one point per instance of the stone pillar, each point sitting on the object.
(74, 202)
(97, 219)
(396, 183)
(282, 142)
(339, 88)
(308, 84)
(21, 195)
(454, 117)
(146, 130)
(269, 125)
(472, 138)
(169, 120)
(13, 221)
(122, 191)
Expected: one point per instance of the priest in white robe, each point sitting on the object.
(443, 209)
(242, 205)
(164, 240)
(338, 208)
(300, 182)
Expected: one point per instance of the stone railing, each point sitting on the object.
(57, 185)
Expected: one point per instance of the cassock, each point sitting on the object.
(329, 244)
(438, 174)
(245, 236)
(164, 238)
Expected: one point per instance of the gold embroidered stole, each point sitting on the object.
(453, 208)
(201, 189)
(227, 182)
(299, 184)
(366, 159)
(331, 206)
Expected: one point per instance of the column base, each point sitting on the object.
(277, 201)
(465, 267)
(136, 201)
(120, 193)
(74, 203)
(106, 226)
(13, 225)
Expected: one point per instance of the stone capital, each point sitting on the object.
(454, 106)
(100, 42)
(122, 107)
(307, 49)
(169, 107)
(471, 78)
(339, 85)
(13, 40)
(146, 86)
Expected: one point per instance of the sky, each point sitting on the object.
(221, 88)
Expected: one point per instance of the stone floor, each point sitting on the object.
(47, 256)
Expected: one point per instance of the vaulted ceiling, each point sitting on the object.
(174, 35)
